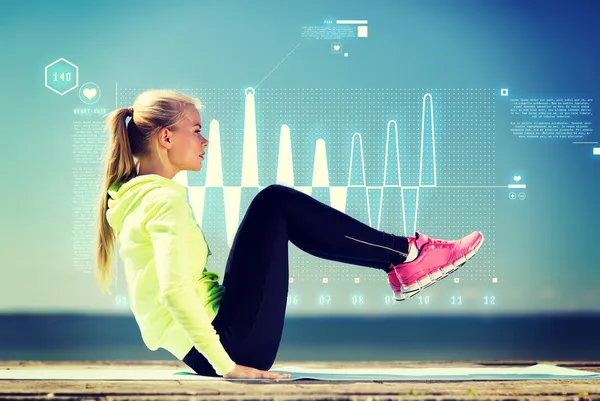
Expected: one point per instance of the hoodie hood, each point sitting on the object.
(124, 196)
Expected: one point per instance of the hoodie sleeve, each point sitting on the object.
(169, 229)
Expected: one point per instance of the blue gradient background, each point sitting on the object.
(548, 244)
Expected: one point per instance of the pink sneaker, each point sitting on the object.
(395, 282)
(396, 285)
(437, 258)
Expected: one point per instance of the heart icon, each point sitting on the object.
(517, 178)
(89, 93)
(336, 47)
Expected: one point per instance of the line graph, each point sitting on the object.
(320, 174)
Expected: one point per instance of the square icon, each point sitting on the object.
(345, 54)
(494, 279)
(362, 31)
(356, 280)
(291, 279)
(504, 92)
(596, 151)
(456, 279)
(325, 280)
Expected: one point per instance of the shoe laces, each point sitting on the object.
(434, 242)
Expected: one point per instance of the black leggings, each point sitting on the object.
(251, 313)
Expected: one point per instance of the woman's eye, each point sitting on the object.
(198, 131)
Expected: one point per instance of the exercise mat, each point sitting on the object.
(534, 372)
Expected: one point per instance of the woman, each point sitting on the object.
(234, 329)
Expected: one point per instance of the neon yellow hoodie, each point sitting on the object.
(172, 296)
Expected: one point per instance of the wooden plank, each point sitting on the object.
(300, 389)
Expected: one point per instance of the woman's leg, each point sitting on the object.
(252, 310)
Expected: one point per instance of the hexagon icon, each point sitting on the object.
(62, 76)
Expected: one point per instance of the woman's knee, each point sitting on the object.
(272, 194)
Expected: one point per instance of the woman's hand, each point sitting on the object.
(245, 372)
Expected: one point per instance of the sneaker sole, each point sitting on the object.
(436, 275)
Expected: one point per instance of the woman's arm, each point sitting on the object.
(169, 230)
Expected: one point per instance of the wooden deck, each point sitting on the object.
(298, 389)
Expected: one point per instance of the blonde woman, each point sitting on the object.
(232, 329)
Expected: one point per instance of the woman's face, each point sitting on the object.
(189, 145)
